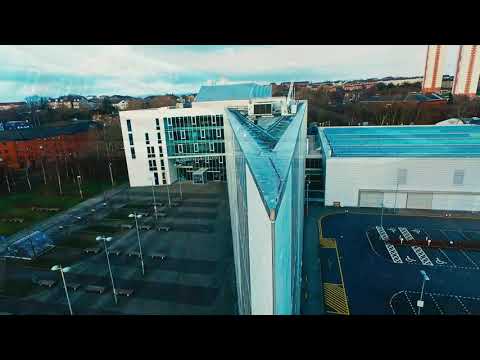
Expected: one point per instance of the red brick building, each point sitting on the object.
(21, 147)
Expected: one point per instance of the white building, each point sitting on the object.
(121, 105)
(418, 167)
(255, 142)
(468, 71)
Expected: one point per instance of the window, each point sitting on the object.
(159, 138)
(219, 133)
(162, 165)
(195, 147)
(150, 151)
(157, 122)
(160, 151)
(169, 121)
(220, 160)
(402, 177)
(202, 134)
(132, 152)
(213, 119)
(164, 182)
(129, 125)
(170, 135)
(212, 147)
(152, 164)
(180, 148)
(130, 139)
(155, 175)
(194, 122)
(147, 139)
(458, 177)
(182, 134)
(262, 109)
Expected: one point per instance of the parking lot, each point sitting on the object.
(362, 273)
(186, 251)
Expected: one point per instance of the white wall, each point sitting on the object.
(345, 177)
(260, 249)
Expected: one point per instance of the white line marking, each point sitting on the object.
(436, 304)
(463, 305)
(468, 257)
(454, 265)
(408, 299)
(422, 256)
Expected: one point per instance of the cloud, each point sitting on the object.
(144, 70)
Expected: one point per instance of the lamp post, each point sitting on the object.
(43, 167)
(381, 217)
(308, 186)
(80, 186)
(105, 240)
(111, 174)
(64, 270)
(168, 194)
(425, 278)
(154, 202)
(134, 215)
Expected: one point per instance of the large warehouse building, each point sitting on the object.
(256, 142)
(417, 167)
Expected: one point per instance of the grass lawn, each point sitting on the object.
(19, 205)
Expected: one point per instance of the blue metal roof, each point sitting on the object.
(233, 92)
(268, 152)
(402, 141)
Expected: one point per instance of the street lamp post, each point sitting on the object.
(43, 167)
(134, 215)
(154, 203)
(79, 186)
(111, 174)
(308, 186)
(381, 217)
(64, 270)
(168, 194)
(105, 240)
(180, 185)
(425, 278)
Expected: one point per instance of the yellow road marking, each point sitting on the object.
(335, 298)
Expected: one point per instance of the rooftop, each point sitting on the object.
(45, 132)
(233, 92)
(402, 141)
(268, 151)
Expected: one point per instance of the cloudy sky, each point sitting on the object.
(144, 70)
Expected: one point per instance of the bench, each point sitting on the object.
(160, 256)
(124, 292)
(163, 228)
(46, 283)
(134, 253)
(73, 286)
(94, 250)
(145, 227)
(174, 204)
(95, 289)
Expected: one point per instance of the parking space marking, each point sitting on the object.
(328, 243)
(463, 305)
(454, 265)
(335, 298)
(410, 302)
(436, 305)
(470, 259)
(392, 251)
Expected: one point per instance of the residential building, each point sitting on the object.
(121, 105)
(256, 143)
(69, 102)
(415, 167)
(467, 71)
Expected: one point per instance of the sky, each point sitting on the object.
(54, 70)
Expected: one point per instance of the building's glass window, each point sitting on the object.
(220, 160)
(194, 122)
(212, 147)
(219, 133)
(160, 150)
(159, 138)
(180, 148)
(129, 125)
(147, 139)
(162, 164)
(202, 133)
(195, 147)
(150, 151)
(169, 121)
(155, 175)
(132, 152)
(214, 119)
(130, 139)
(170, 135)
(458, 177)
(163, 176)
(182, 134)
(152, 164)
(157, 123)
